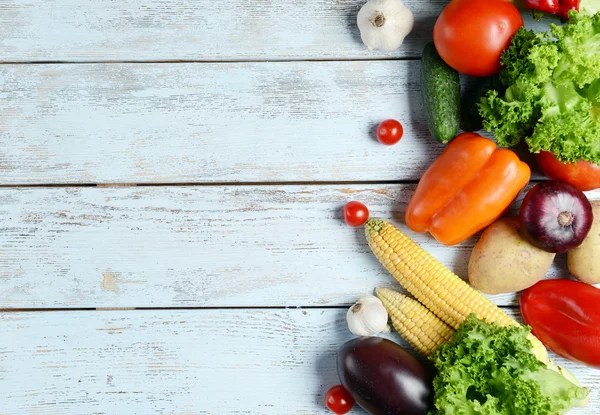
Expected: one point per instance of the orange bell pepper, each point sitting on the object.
(467, 188)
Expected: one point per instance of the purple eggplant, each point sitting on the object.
(384, 378)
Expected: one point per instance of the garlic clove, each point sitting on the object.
(384, 24)
(367, 317)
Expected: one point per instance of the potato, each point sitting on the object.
(502, 261)
(584, 261)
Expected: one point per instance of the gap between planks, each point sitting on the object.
(50, 310)
(220, 184)
(233, 61)
(209, 184)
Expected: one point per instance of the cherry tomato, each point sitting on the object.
(338, 400)
(470, 35)
(583, 174)
(355, 213)
(389, 132)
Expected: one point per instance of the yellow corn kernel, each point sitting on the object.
(429, 281)
(415, 323)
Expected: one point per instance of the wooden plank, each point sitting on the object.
(112, 30)
(183, 123)
(208, 123)
(199, 246)
(180, 362)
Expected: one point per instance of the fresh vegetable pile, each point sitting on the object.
(489, 365)
(540, 88)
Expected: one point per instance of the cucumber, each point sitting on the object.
(469, 113)
(440, 88)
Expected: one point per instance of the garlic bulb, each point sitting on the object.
(384, 24)
(367, 317)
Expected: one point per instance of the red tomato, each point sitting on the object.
(470, 35)
(355, 213)
(565, 316)
(583, 174)
(389, 132)
(338, 400)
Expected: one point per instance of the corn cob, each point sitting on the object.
(441, 291)
(415, 323)
(430, 282)
(435, 286)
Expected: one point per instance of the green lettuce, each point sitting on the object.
(491, 370)
(589, 6)
(552, 91)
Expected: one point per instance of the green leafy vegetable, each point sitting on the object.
(491, 370)
(589, 6)
(553, 91)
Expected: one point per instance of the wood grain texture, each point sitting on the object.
(180, 362)
(184, 123)
(199, 246)
(147, 123)
(113, 30)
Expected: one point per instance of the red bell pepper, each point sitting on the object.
(546, 6)
(566, 6)
(565, 316)
(560, 8)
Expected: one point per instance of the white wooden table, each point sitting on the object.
(172, 174)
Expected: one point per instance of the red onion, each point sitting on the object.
(556, 216)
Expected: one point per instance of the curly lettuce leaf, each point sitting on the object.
(567, 114)
(579, 46)
(531, 55)
(489, 369)
(552, 98)
(589, 6)
(513, 116)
